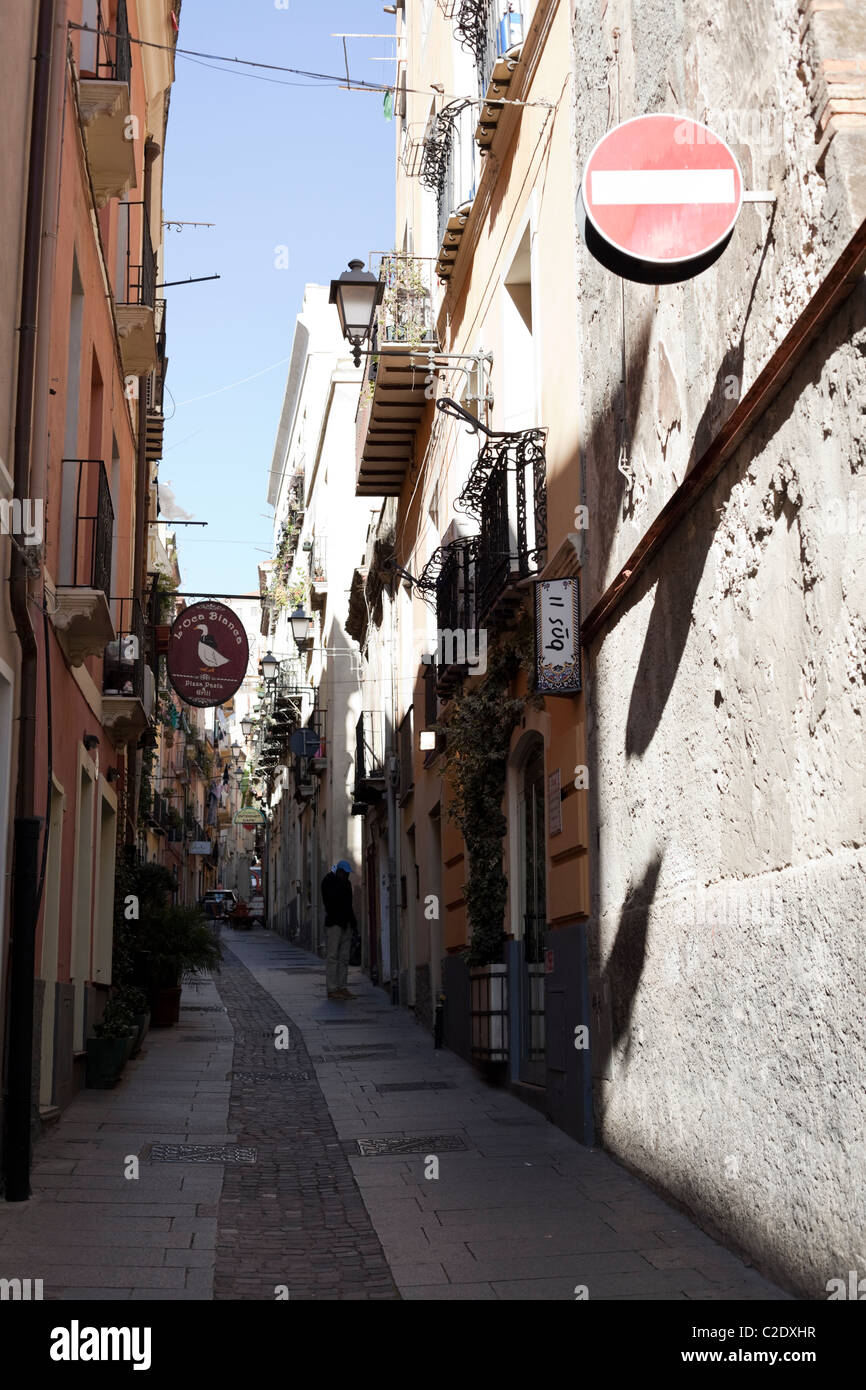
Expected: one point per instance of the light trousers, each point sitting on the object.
(337, 963)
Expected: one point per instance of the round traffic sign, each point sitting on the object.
(208, 654)
(659, 199)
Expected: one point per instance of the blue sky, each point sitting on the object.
(308, 167)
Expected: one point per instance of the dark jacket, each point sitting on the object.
(337, 897)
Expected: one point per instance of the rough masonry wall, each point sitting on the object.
(727, 697)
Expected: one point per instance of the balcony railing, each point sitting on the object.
(123, 667)
(94, 524)
(108, 52)
(507, 494)
(369, 754)
(406, 312)
(455, 587)
(488, 28)
(139, 279)
(319, 560)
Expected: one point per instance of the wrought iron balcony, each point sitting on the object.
(488, 28)
(136, 294)
(127, 680)
(155, 419)
(107, 53)
(507, 494)
(450, 578)
(94, 523)
(369, 757)
(319, 564)
(123, 666)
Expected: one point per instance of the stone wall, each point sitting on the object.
(726, 695)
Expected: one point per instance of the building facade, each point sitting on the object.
(680, 838)
(315, 692)
(88, 417)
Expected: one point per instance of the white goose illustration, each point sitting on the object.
(207, 649)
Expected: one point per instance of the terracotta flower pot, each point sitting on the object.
(165, 1007)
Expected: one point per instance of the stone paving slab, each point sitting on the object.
(523, 1211)
(92, 1234)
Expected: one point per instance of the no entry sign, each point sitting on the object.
(659, 199)
(208, 654)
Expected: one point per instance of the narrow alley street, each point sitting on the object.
(304, 1171)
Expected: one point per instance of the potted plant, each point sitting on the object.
(109, 1050)
(479, 725)
(136, 1002)
(175, 943)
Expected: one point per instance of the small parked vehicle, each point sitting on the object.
(219, 903)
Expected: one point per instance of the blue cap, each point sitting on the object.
(344, 864)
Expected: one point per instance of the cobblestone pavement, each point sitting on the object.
(293, 1223)
(381, 1169)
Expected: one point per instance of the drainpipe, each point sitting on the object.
(25, 904)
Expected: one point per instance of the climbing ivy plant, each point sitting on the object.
(478, 725)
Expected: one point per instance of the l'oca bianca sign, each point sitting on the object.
(208, 654)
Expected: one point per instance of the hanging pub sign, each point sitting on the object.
(557, 636)
(659, 199)
(208, 654)
(249, 815)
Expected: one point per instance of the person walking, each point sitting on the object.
(340, 923)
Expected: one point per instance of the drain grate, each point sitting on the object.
(208, 1037)
(362, 1047)
(511, 1120)
(203, 1008)
(431, 1143)
(198, 1153)
(349, 1022)
(385, 1087)
(270, 1076)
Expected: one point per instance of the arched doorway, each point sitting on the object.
(533, 912)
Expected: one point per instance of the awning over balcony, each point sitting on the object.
(397, 376)
(398, 404)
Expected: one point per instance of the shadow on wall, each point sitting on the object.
(625, 964)
(670, 621)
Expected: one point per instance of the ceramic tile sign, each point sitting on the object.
(557, 636)
(208, 654)
(659, 198)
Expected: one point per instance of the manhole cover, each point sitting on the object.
(270, 1076)
(198, 1153)
(384, 1087)
(431, 1144)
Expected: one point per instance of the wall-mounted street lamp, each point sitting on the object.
(301, 623)
(246, 726)
(357, 295)
(270, 667)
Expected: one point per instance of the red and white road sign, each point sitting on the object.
(660, 197)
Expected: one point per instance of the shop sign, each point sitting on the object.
(208, 654)
(557, 636)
